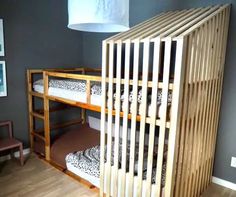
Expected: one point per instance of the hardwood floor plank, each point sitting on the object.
(37, 178)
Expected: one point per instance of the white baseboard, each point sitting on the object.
(224, 183)
(16, 154)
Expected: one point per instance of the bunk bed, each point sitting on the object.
(154, 128)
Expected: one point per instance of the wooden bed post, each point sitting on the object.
(30, 108)
(46, 117)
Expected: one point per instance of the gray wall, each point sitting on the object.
(141, 10)
(36, 36)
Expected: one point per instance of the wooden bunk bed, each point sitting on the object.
(183, 44)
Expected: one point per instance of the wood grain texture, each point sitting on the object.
(37, 178)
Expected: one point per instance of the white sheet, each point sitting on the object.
(69, 94)
(96, 181)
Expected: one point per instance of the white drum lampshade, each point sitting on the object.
(98, 15)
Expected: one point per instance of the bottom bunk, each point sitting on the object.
(86, 164)
(81, 138)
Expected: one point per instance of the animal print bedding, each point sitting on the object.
(72, 84)
(88, 161)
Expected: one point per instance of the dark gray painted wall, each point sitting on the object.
(36, 36)
(141, 10)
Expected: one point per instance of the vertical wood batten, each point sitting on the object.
(125, 119)
(197, 98)
(200, 82)
(191, 115)
(186, 142)
(155, 80)
(133, 117)
(110, 119)
(180, 167)
(205, 103)
(209, 73)
(162, 131)
(175, 115)
(117, 118)
(46, 117)
(143, 114)
(221, 71)
(213, 90)
(105, 50)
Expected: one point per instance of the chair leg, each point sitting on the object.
(21, 155)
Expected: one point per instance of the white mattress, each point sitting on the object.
(70, 94)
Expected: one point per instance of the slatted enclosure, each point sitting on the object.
(162, 83)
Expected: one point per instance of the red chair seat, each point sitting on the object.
(9, 143)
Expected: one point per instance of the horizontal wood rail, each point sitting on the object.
(37, 115)
(61, 125)
(38, 135)
(99, 79)
(52, 109)
(98, 109)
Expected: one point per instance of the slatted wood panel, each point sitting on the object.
(185, 52)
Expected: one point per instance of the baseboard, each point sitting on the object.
(16, 154)
(224, 183)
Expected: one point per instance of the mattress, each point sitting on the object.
(86, 164)
(76, 90)
(71, 89)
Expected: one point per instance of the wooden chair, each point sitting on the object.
(11, 142)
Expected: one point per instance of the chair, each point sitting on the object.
(11, 142)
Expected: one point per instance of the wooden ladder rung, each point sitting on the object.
(37, 115)
(36, 94)
(38, 135)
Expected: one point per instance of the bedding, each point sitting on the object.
(76, 90)
(86, 164)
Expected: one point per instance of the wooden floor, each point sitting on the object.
(38, 178)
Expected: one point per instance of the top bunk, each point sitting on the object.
(81, 87)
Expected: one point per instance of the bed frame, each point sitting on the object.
(199, 37)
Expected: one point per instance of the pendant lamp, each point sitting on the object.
(98, 15)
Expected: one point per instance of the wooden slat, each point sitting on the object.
(186, 120)
(155, 78)
(103, 117)
(139, 26)
(195, 20)
(197, 25)
(143, 115)
(38, 135)
(183, 130)
(133, 118)
(98, 79)
(200, 93)
(175, 115)
(222, 52)
(125, 119)
(110, 119)
(172, 25)
(35, 94)
(162, 130)
(37, 115)
(117, 120)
